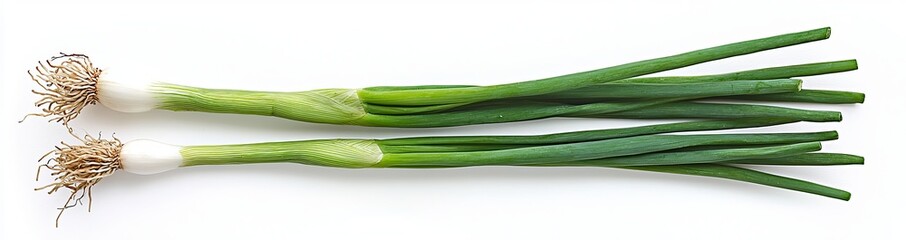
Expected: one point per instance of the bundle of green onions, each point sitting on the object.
(648, 148)
(70, 82)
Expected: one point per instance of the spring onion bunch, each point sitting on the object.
(70, 82)
(649, 148)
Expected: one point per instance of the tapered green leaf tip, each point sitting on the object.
(835, 193)
(845, 196)
(819, 33)
(799, 83)
(854, 63)
(833, 134)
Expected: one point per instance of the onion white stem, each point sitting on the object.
(131, 96)
(149, 157)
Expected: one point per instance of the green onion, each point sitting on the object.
(71, 82)
(79, 167)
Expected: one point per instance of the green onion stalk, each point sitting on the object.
(78, 167)
(70, 82)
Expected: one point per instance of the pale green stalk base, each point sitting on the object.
(346, 153)
(334, 106)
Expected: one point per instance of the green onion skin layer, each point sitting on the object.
(679, 86)
(424, 97)
(731, 172)
(808, 159)
(410, 110)
(748, 94)
(590, 150)
(643, 109)
(803, 96)
(592, 135)
(601, 90)
(357, 153)
(434, 145)
(606, 92)
(500, 113)
(807, 96)
(781, 72)
(693, 157)
(687, 90)
(698, 110)
(701, 82)
(802, 70)
(748, 175)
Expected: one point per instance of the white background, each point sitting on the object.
(271, 46)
